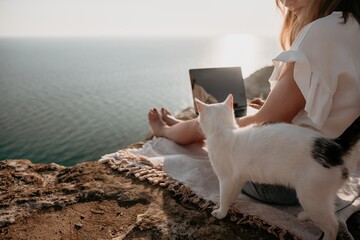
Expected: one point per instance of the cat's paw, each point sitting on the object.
(218, 214)
(303, 216)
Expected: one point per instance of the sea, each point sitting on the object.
(70, 100)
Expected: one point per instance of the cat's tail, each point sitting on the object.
(350, 137)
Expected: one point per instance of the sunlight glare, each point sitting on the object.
(243, 50)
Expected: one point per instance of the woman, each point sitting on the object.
(315, 83)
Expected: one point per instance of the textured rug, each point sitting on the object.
(186, 170)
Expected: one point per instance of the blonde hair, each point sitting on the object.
(315, 9)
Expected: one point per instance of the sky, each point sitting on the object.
(84, 18)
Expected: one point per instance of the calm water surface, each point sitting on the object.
(74, 100)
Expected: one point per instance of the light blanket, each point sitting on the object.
(187, 171)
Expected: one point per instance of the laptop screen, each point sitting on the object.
(212, 85)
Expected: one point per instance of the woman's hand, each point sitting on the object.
(256, 103)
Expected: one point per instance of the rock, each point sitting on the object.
(257, 84)
(92, 201)
(77, 226)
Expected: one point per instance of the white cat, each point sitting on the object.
(279, 153)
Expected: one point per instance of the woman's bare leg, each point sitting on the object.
(184, 132)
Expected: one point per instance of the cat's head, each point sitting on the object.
(216, 115)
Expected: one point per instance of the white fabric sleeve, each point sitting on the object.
(315, 91)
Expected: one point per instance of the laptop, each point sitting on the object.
(212, 85)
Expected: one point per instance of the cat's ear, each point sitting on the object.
(230, 101)
(199, 105)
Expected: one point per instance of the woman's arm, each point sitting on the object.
(284, 102)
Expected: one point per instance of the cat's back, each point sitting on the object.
(276, 133)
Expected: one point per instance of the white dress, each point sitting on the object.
(327, 70)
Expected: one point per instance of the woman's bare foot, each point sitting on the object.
(156, 123)
(168, 118)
